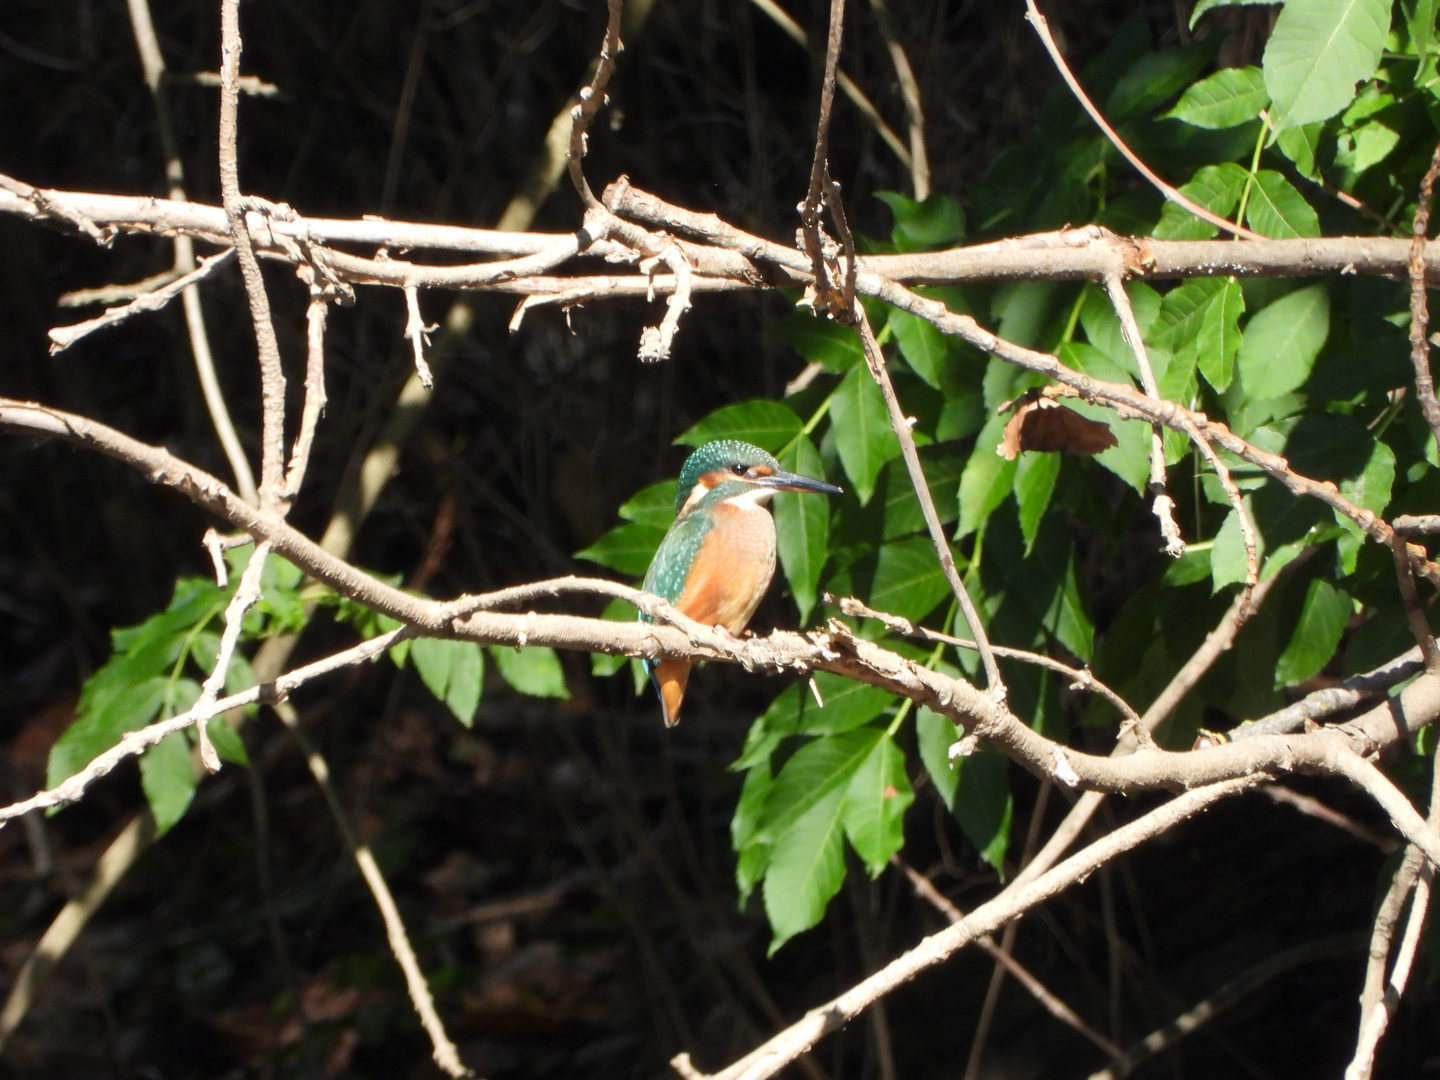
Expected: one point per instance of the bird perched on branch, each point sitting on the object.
(718, 556)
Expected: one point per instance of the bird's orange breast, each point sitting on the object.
(732, 569)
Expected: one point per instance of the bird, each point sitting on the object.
(718, 556)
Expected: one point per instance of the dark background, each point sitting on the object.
(629, 946)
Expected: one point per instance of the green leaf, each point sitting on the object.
(1215, 188)
(1281, 342)
(817, 769)
(1226, 99)
(861, 427)
(1227, 557)
(1278, 211)
(1371, 489)
(754, 855)
(1318, 51)
(875, 805)
(654, 505)
(100, 724)
(453, 671)
(626, 548)
(767, 424)
(983, 804)
(802, 526)
(1367, 145)
(1323, 618)
(936, 222)
(1218, 340)
(227, 742)
(987, 479)
(1035, 476)
(1157, 77)
(903, 515)
(1129, 458)
(847, 704)
(819, 340)
(533, 670)
(908, 579)
(1088, 360)
(1302, 146)
(168, 780)
(807, 865)
(921, 344)
(935, 734)
(1205, 5)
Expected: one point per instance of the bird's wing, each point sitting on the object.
(666, 576)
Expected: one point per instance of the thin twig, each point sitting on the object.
(272, 376)
(1378, 1005)
(1227, 996)
(875, 359)
(1414, 613)
(766, 1060)
(315, 399)
(819, 164)
(60, 935)
(152, 61)
(62, 337)
(1312, 807)
(1043, 29)
(656, 341)
(847, 85)
(246, 596)
(910, 94)
(116, 294)
(443, 1049)
(591, 98)
(418, 334)
(136, 742)
(1080, 678)
(926, 890)
(1419, 302)
(1162, 505)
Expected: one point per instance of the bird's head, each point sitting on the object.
(735, 469)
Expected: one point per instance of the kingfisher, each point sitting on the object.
(718, 557)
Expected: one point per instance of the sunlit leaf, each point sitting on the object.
(908, 579)
(533, 670)
(1228, 98)
(875, 805)
(862, 431)
(1323, 618)
(767, 424)
(802, 525)
(1278, 211)
(626, 548)
(653, 505)
(168, 780)
(1282, 340)
(1318, 51)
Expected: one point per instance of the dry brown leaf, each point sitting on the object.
(1044, 425)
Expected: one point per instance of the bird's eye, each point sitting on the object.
(738, 469)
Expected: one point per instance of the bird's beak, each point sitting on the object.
(785, 481)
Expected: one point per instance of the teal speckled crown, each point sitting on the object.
(718, 456)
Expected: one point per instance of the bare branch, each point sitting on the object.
(1043, 29)
(1162, 505)
(926, 890)
(910, 93)
(272, 376)
(136, 742)
(1080, 678)
(1230, 994)
(62, 337)
(591, 98)
(857, 97)
(315, 399)
(770, 1058)
(418, 335)
(1419, 303)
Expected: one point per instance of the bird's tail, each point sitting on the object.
(670, 677)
